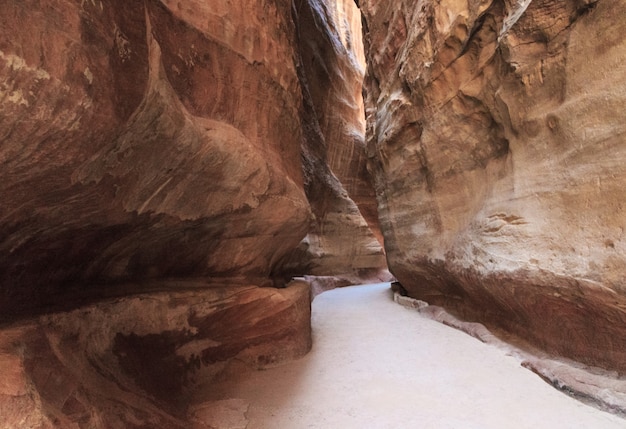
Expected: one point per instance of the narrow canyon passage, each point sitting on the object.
(375, 364)
(168, 167)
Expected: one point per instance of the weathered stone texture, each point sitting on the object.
(134, 361)
(141, 141)
(496, 135)
(160, 154)
(343, 242)
(153, 139)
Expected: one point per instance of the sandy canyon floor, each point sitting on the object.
(376, 364)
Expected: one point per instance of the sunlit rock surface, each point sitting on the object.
(496, 135)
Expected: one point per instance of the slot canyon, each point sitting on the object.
(182, 179)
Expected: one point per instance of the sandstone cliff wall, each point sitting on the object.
(145, 140)
(161, 161)
(166, 139)
(344, 244)
(496, 136)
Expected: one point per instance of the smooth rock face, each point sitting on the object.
(159, 161)
(344, 241)
(496, 136)
(138, 142)
(165, 139)
(133, 362)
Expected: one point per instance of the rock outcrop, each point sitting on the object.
(163, 164)
(145, 140)
(151, 140)
(344, 244)
(134, 361)
(496, 137)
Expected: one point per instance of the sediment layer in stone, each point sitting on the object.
(496, 137)
(134, 361)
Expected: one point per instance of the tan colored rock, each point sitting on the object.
(331, 47)
(497, 140)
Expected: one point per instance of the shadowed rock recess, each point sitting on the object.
(169, 166)
(164, 164)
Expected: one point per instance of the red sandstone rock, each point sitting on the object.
(131, 362)
(150, 139)
(342, 242)
(147, 143)
(135, 145)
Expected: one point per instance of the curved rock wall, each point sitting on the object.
(166, 139)
(134, 362)
(343, 245)
(496, 139)
(145, 140)
(161, 160)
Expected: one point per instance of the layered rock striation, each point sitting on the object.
(344, 244)
(133, 362)
(166, 139)
(162, 164)
(496, 138)
(138, 143)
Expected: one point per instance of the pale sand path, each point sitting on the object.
(376, 364)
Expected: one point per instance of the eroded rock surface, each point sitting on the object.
(133, 362)
(496, 135)
(167, 139)
(145, 145)
(145, 140)
(344, 244)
